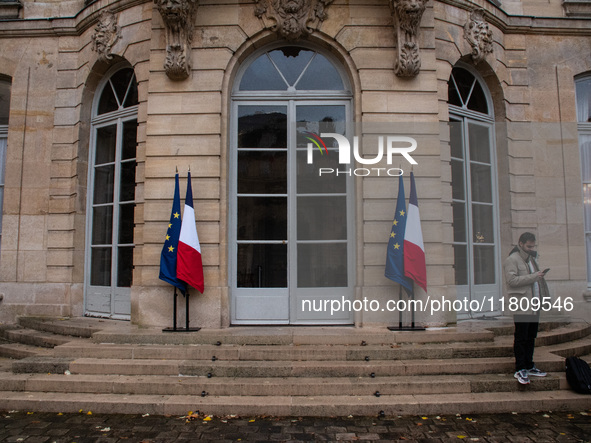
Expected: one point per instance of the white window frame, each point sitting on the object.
(467, 116)
(584, 130)
(118, 118)
(291, 99)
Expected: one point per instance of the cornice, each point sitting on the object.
(63, 26)
(87, 17)
(527, 24)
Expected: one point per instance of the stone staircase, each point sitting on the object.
(113, 367)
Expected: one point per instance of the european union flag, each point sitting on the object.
(395, 253)
(171, 242)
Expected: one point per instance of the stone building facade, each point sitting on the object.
(102, 101)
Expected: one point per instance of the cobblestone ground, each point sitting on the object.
(85, 427)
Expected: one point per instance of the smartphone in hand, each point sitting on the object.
(546, 270)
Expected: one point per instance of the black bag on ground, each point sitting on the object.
(578, 375)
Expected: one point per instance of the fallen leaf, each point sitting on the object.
(251, 421)
(208, 418)
(546, 416)
(89, 413)
(461, 436)
(425, 418)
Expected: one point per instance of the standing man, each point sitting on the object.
(525, 280)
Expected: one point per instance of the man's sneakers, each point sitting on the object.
(522, 377)
(536, 372)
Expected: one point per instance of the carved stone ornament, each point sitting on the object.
(407, 19)
(178, 17)
(293, 19)
(106, 34)
(479, 36)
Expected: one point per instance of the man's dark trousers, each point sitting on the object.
(526, 331)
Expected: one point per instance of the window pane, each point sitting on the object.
(588, 242)
(456, 139)
(126, 223)
(1, 205)
(322, 265)
(482, 224)
(262, 266)
(478, 100)
(479, 143)
(102, 225)
(457, 180)
(261, 75)
(3, 141)
(125, 267)
(461, 264)
(107, 102)
(585, 142)
(452, 94)
(322, 218)
(319, 119)
(100, 267)
(464, 81)
(320, 75)
(4, 102)
(583, 88)
(484, 265)
(262, 172)
(106, 141)
(120, 81)
(587, 206)
(291, 61)
(309, 180)
(460, 226)
(132, 98)
(104, 177)
(128, 150)
(480, 176)
(262, 218)
(127, 187)
(262, 127)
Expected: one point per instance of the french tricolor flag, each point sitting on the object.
(414, 250)
(189, 266)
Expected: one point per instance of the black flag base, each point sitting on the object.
(406, 328)
(174, 327)
(412, 326)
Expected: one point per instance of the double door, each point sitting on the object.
(291, 233)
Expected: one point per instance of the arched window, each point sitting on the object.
(111, 197)
(291, 236)
(474, 194)
(583, 97)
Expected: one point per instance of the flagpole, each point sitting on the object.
(399, 311)
(174, 311)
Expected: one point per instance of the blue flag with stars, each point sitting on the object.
(395, 253)
(171, 242)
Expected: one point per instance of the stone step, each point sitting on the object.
(290, 386)
(74, 327)
(283, 352)
(575, 348)
(237, 368)
(33, 337)
(367, 405)
(291, 336)
(19, 351)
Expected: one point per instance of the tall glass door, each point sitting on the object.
(292, 247)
